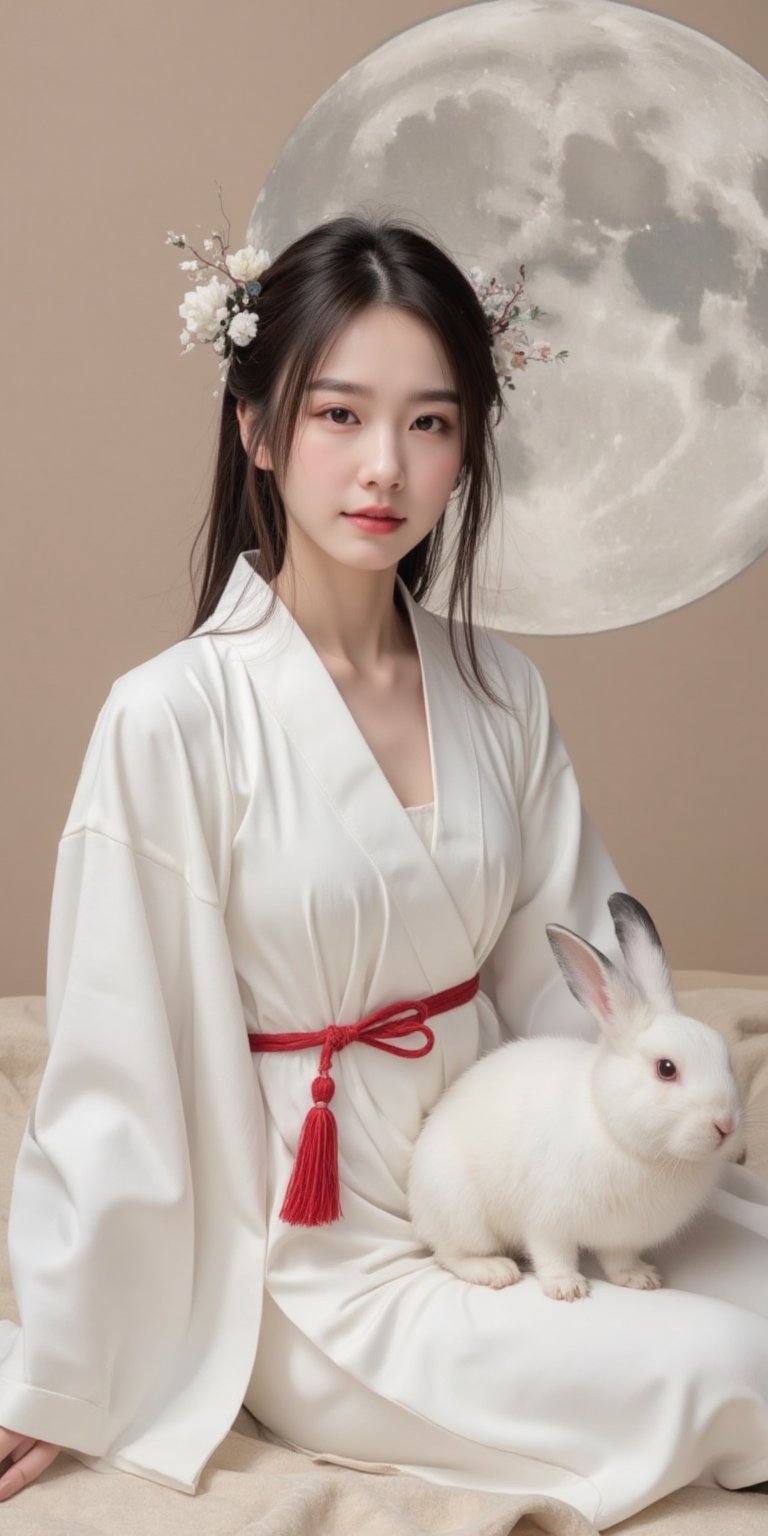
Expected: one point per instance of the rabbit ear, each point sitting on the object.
(609, 995)
(643, 950)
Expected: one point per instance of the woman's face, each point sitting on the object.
(386, 437)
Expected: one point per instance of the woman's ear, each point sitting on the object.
(245, 416)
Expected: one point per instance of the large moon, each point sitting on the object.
(623, 157)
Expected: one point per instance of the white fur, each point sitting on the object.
(546, 1146)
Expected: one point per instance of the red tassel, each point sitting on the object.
(312, 1197)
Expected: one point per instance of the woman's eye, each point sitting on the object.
(342, 410)
(443, 425)
(337, 408)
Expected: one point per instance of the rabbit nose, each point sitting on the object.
(727, 1127)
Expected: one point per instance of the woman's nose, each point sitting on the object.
(382, 462)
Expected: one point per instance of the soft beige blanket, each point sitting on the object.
(251, 1487)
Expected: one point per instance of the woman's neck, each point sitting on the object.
(357, 618)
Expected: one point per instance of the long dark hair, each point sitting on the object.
(308, 294)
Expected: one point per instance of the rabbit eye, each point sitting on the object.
(666, 1070)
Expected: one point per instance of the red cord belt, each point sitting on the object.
(312, 1198)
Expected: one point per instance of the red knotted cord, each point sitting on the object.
(312, 1198)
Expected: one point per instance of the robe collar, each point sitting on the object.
(430, 888)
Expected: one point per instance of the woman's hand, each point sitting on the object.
(29, 1457)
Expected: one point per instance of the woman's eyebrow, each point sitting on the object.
(344, 387)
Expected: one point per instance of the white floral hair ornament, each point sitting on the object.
(221, 309)
(510, 346)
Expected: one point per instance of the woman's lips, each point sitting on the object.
(373, 524)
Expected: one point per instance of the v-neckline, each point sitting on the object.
(292, 625)
(407, 600)
(431, 887)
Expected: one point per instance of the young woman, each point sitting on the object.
(325, 803)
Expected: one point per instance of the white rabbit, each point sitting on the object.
(549, 1145)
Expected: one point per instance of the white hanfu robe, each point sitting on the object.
(236, 860)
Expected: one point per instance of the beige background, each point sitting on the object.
(119, 118)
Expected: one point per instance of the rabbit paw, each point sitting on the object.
(484, 1269)
(569, 1285)
(641, 1277)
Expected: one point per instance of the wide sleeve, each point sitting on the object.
(136, 1230)
(566, 876)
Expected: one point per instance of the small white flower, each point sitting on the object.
(184, 338)
(501, 359)
(207, 245)
(204, 308)
(188, 266)
(174, 239)
(242, 328)
(247, 264)
(219, 344)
